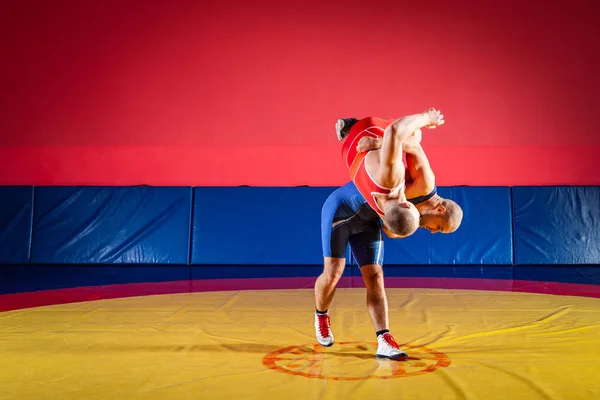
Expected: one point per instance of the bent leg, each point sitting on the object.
(333, 268)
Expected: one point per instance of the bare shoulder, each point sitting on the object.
(414, 189)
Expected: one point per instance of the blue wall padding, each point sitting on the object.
(16, 211)
(557, 225)
(484, 237)
(258, 225)
(111, 225)
(278, 226)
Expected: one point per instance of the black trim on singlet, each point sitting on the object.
(421, 199)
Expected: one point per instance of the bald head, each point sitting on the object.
(401, 221)
(452, 217)
(445, 217)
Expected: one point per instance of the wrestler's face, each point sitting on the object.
(434, 224)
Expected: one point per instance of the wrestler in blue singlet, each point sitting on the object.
(346, 217)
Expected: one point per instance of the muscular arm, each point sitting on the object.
(397, 132)
(369, 143)
(418, 167)
(391, 166)
(418, 164)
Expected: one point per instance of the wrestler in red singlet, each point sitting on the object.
(356, 162)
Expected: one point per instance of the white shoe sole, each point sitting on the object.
(394, 357)
(339, 125)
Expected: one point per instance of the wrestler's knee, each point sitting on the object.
(372, 276)
(333, 269)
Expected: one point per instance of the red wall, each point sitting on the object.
(228, 93)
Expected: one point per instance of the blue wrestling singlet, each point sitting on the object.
(346, 217)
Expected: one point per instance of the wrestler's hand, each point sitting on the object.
(368, 143)
(436, 118)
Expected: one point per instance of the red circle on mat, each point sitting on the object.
(315, 361)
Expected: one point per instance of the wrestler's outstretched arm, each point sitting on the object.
(368, 143)
(418, 166)
(391, 165)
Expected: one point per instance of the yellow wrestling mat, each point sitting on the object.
(463, 344)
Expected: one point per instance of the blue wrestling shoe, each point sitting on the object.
(342, 127)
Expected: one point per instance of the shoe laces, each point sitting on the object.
(323, 325)
(389, 339)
